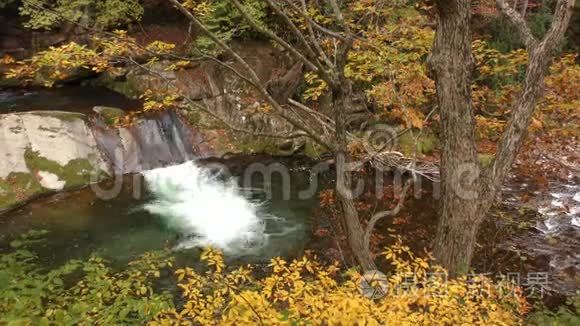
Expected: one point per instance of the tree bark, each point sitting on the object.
(354, 230)
(524, 8)
(341, 95)
(452, 64)
(467, 192)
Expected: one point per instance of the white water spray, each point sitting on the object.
(206, 210)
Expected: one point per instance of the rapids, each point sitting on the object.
(206, 210)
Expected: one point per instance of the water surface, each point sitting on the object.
(72, 98)
(156, 214)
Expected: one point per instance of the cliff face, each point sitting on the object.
(49, 151)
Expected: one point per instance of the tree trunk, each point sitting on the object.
(355, 233)
(451, 62)
(468, 193)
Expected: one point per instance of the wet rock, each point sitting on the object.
(109, 114)
(57, 136)
(222, 91)
(149, 143)
(47, 151)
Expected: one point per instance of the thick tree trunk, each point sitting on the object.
(452, 64)
(467, 192)
(355, 232)
(455, 242)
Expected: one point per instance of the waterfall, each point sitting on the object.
(150, 142)
(206, 210)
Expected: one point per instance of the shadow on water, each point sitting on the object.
(72, 98)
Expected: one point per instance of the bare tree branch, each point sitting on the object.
(378, 216)
(256, 82)
(313, 23)
(519, 23)
(524, 8)
(296, 32)
(338, 15)
(539, 59)
(319, 50)
(212, 114)
(312, 66)
(299, 105)
(560, 21)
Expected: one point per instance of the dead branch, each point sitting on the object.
(256, 82)
(519, 23)
(378, 216)
(540, 56)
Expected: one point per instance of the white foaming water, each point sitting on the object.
(205, 210)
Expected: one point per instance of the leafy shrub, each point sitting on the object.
(226, 21)
(388, 62)
(564, 316)
(56, 64)
(102, 14)
(504, 36)
(303, 291)
(79, 292)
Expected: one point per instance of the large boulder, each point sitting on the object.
(44, 152)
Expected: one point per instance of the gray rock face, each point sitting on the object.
(46, 151)
(49, 151)
(60, 137)
(149, 143)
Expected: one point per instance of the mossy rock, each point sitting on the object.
(126, 86)
(63, 115)
(109, 114)
(426, 143)
(193, 117)
(255, 145)
(16, 187)
(261, 145)
(313, 150)
(75, 173)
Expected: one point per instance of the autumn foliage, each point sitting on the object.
(305, 292)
